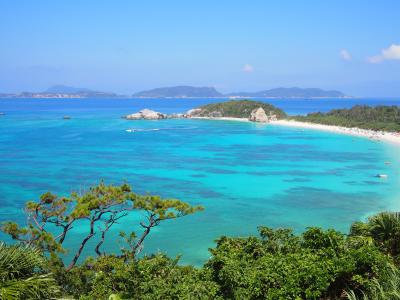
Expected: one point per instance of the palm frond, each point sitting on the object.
(21, 274)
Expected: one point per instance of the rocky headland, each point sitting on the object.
(253, 111)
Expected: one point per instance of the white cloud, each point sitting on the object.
(344, 54)
(248, 68)
(391, 53)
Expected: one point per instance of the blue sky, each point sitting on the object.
(127, 46)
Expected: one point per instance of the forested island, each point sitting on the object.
(255, 111)
(277, 264)
(378, 118)
(236, 109)
(385, 118)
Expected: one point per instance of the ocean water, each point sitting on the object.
(244, 174)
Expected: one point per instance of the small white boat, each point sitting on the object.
(381, 175)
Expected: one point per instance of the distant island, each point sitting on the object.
(179, 92)
(293, 92)
(210, 92)
(62, 91)
(254, 111)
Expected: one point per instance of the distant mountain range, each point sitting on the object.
(179, 92)
(196, 92)
(61, 91)
(291, 93)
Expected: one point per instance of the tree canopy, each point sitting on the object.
(237, 109)
(385, 118)
(50, 219)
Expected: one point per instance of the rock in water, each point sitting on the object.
(259, 115)
(146, 114)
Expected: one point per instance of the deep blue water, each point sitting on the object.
(244, 174)
(116, 107)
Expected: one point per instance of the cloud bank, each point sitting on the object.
(391, 53)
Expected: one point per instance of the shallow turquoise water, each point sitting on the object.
(244, 174)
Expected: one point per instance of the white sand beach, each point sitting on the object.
(222, 119)
(390, 137)
(384, 136)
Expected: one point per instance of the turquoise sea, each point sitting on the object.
(244, 174)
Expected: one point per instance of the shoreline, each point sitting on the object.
(390, 137)
(221, 119)
(384, 136)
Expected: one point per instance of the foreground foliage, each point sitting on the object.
(319, 264)
(385, 118)
(51, 219)
(155, 277)
(23, 274)
(382, 229)
(387, 287)
(277, 264)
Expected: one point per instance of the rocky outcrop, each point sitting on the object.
(193, 112)
(259, 115)
(146, 114)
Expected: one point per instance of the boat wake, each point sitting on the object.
(158, 129)
(141, 130)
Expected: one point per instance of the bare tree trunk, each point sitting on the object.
(75, 259)
(97, 249)
(65, 230)
(110, 222)
(139, 243)
(146, 231)
(85, 240)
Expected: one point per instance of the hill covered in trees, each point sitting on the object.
(385, 118)
(236, 109)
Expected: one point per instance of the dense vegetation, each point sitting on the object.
(376, 118)
(23, 275)
(278, 264)
(238, 109)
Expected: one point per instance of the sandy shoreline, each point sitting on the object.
(393, 138)
(222, 119)
(390, 137)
